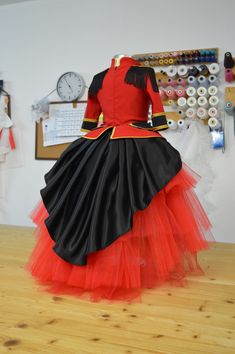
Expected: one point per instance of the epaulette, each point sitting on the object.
(138, 75)
(96, 83)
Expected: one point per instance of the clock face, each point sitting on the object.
(70, 86)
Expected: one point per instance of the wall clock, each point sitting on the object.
(70, 86)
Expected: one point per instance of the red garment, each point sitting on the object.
(121, 113)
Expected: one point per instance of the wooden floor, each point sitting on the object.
(171, 320)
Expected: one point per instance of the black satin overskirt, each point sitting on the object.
(94, 188)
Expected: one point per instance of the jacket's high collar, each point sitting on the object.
(124, 61)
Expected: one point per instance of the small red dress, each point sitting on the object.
(119, 213)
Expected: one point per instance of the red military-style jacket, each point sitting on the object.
(124, 94)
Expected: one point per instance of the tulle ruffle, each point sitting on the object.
(161, 246)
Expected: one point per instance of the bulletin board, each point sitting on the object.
(48, 152)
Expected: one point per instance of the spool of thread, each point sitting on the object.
(214, 123)
(214, 68)
(191, 91)
(192, 102)
(182, 103)
(228, 60)
(162, 94)
(202, 80)
(171, 82)
(228, 75)
(172, 124)
(192, 81)
(213, 80)
(213, 112)
(172, 103)
(229, 107)
(202, 91)
(170, 92)
(172, 71)
(181, 123)
(214, 101)
(202, 113)
(203, 102)
(203, 70)
(212, 90)
(181, 81)
(161, 83)
(180, 91)
(183, 71)
(193, 71)
(191, 113)
(181, 112)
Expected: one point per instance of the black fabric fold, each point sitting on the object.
(94, 188)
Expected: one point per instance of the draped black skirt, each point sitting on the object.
(95, 187)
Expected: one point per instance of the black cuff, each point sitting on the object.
(88, 125)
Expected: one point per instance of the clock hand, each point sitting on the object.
(68, 85)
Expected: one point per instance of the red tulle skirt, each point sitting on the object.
(161, 247)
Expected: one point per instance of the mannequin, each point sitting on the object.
(118, 57)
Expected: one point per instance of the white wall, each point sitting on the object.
(44, 38)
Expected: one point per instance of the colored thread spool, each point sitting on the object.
(192, 102)
(191, 113)
(213, 112)
(229, 107)
(162, 94)
(180, 92)
(202, 91)
(181, 81)
(214, 101)
(203, 70)
(171, 82)
(181, 123)
(172, 124)
(214, 68)
(181, 112)
(170, 92)
(171, 61)
(172, 103)
(166, 61)
(192, 81)
(203, 102)
(213, 80)
(193, 71)
(171, 71)
(213, 90)
(202, 80)
(214, 123)
(202, 113)
(161, 83)
(229, 75)
(228, 60)
(183, 71)
(191, 91)
(182, 103)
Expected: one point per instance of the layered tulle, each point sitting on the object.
(161, 246)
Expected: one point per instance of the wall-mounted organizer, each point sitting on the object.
(193, 56)
(189, 91)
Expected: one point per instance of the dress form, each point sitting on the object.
(118, 57)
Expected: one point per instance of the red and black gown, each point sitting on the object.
(118, 213)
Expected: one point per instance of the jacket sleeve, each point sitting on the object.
(159, 121)
(91, 115)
